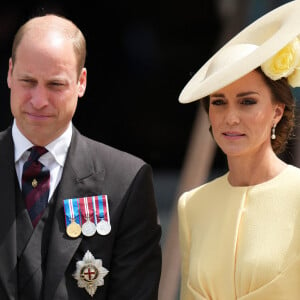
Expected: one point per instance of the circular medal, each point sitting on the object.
(88, 228)
(73, 230)
(103, 227)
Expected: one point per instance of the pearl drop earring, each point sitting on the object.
(273, 135)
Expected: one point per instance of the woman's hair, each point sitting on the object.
(281, 93)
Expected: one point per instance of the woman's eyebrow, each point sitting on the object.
(247, 94)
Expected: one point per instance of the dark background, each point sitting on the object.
(140, 54)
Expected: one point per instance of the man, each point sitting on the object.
(97, 235)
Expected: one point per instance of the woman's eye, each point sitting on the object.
(217, 102)
(248, 101)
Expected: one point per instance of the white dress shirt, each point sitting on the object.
(54, 159)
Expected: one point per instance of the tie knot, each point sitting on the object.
(36, 152)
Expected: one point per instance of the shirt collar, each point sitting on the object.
(58, 148)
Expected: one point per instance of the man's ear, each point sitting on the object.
(82, 82)
(9, 73)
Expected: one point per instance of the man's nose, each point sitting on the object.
(39, 97)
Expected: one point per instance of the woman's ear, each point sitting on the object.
(278, 112)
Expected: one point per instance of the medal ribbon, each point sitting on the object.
(102, 208)
(99, 211)
(96, 209)
(105, 206)
(71, 208)
(87, 208)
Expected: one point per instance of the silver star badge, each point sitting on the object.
(90, 273)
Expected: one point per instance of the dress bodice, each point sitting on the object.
(241, 242)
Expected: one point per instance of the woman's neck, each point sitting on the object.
(252, 171)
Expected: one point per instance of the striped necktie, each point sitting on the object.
(35, 184)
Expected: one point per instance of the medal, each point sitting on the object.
(88, 227)
(103, 221)
(103, 227)
(72, 217)
(73, 229)
(90, 273)
(87, 215)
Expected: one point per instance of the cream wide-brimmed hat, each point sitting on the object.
(256, 45)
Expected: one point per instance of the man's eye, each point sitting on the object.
(27, 82)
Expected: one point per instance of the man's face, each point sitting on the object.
(44, 86)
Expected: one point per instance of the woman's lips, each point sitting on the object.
(232, 135)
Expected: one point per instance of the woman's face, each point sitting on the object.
(242, 115)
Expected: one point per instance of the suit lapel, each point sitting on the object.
(78, 179)
(8, 247)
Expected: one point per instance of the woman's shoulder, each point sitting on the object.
(215, 185)
(291, 175)
(293, 169)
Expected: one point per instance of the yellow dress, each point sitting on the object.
(241, 242)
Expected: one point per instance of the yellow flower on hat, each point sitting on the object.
(284, 63)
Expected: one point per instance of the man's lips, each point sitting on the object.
(38, 116)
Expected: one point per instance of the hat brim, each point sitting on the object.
(270, 33)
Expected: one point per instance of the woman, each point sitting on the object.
(240, 233)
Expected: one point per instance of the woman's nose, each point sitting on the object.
(232, 117)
